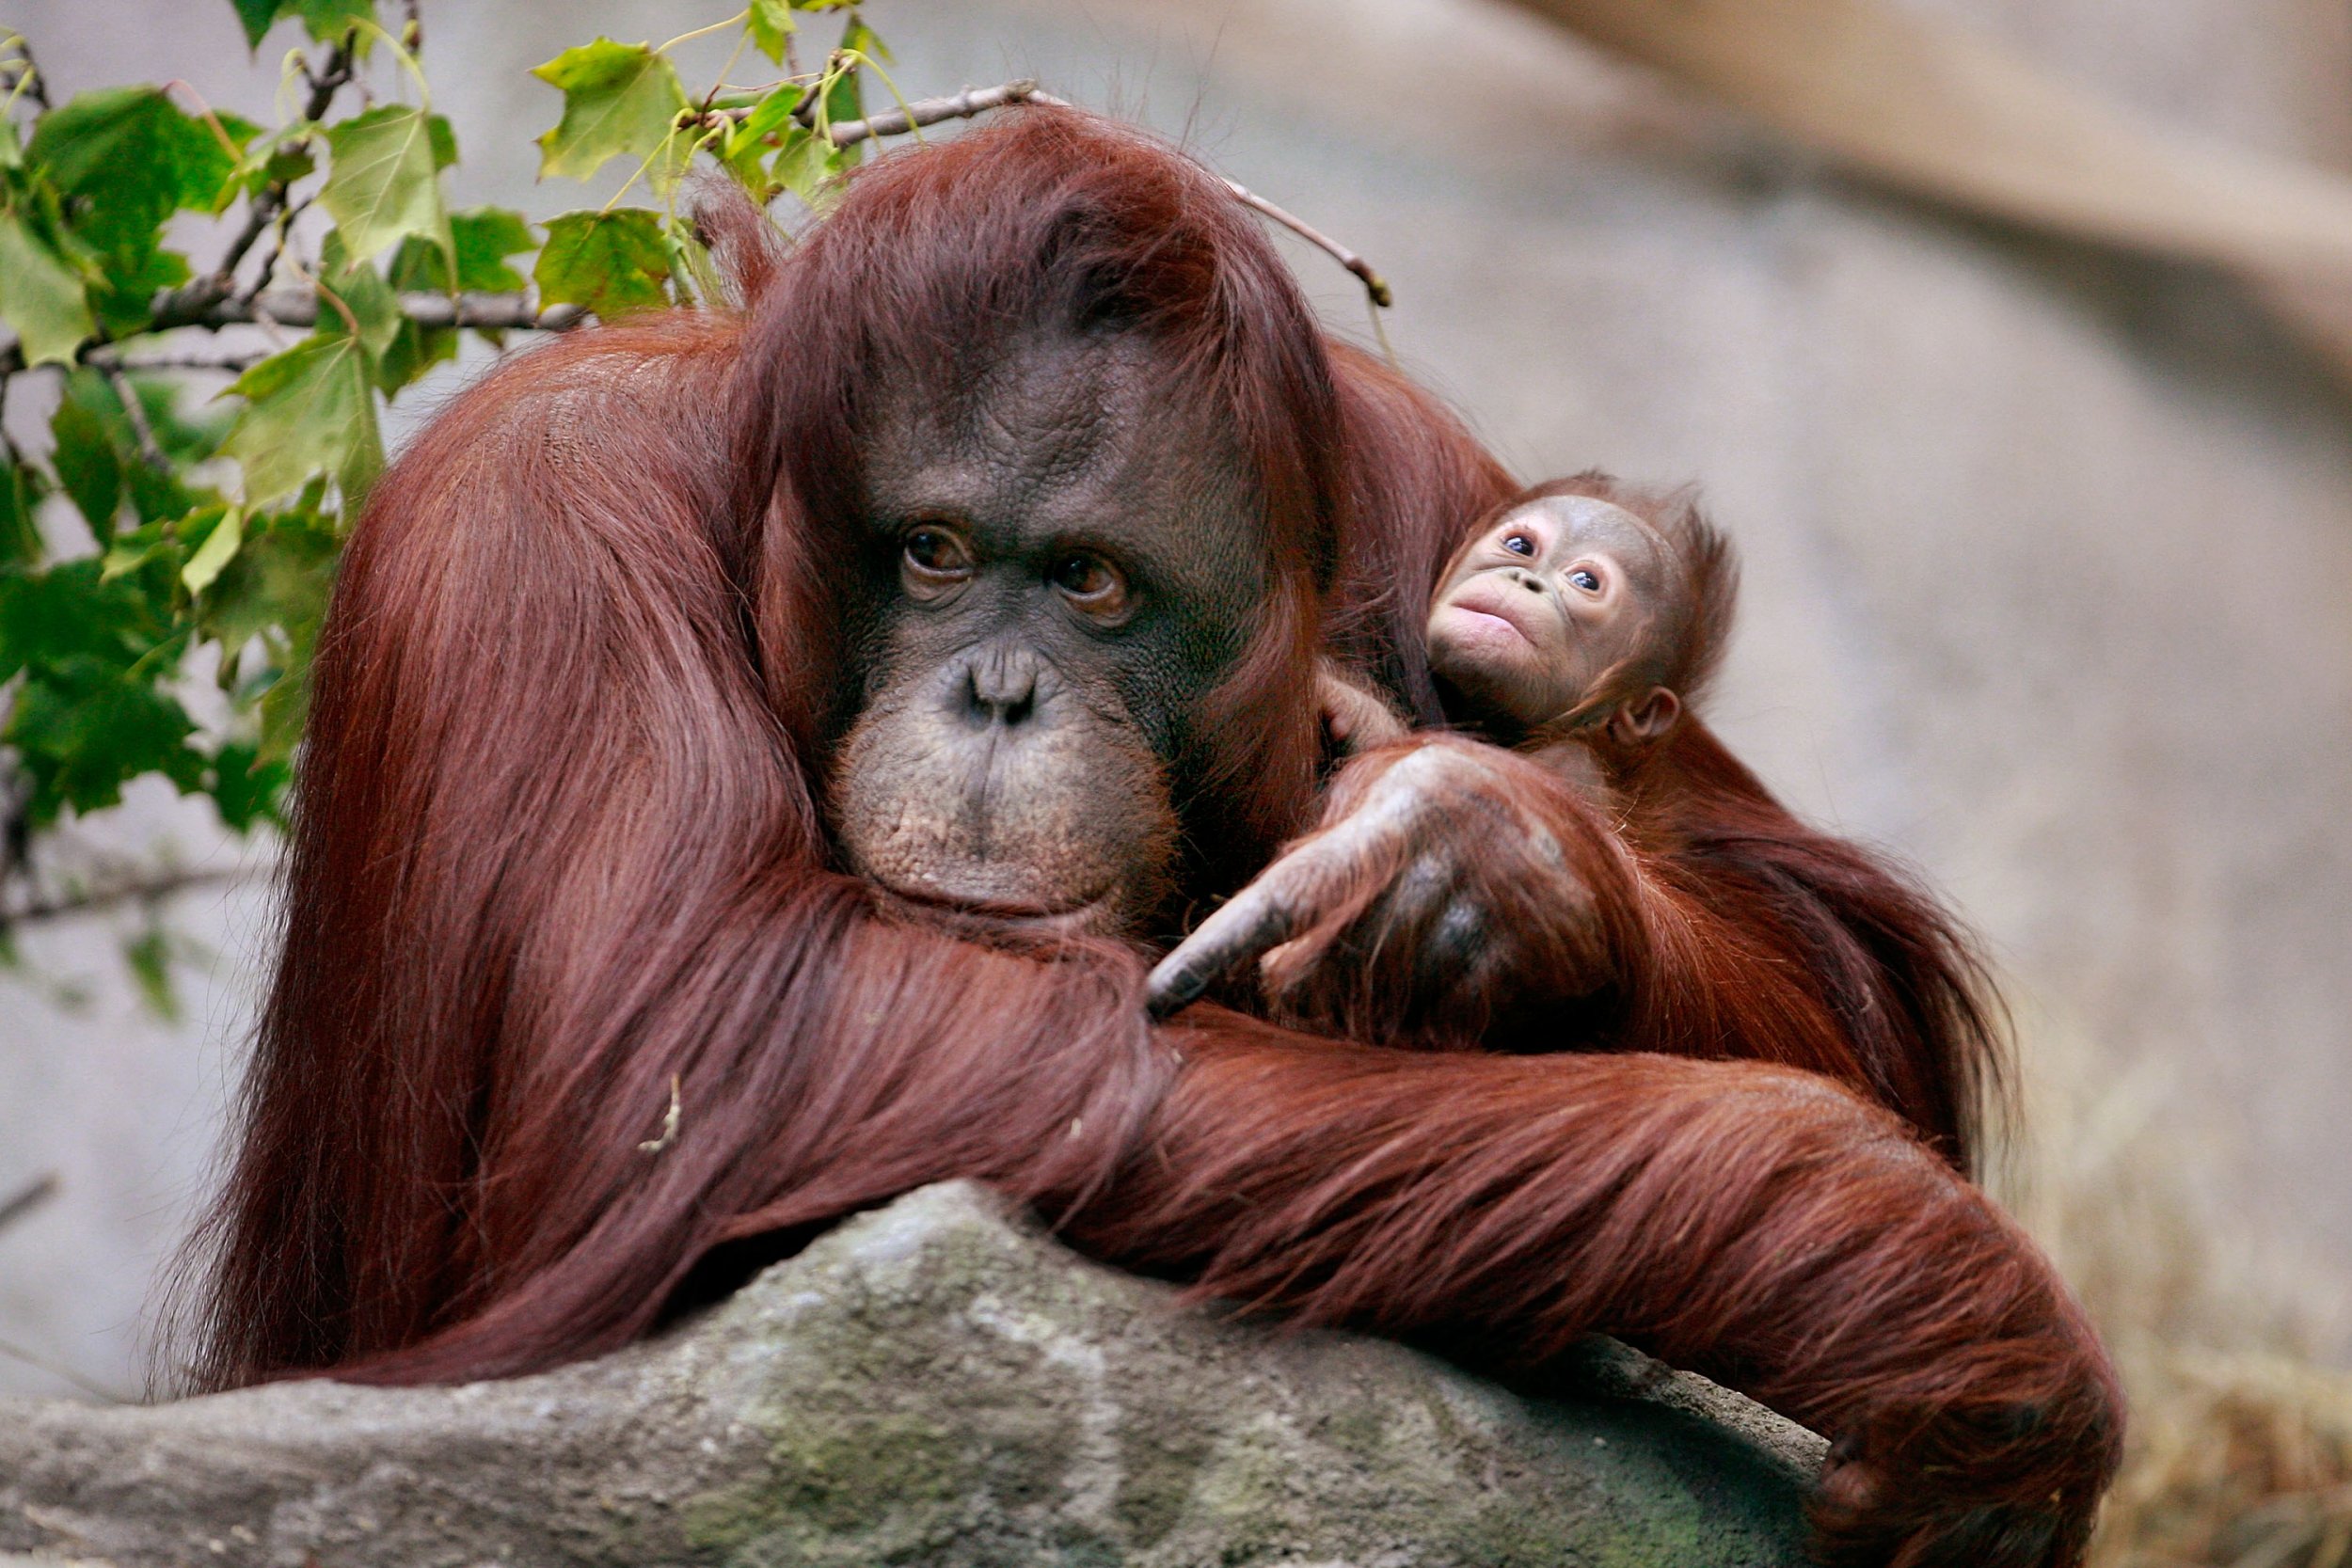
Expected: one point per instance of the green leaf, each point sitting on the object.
(756, 135)
(69, 611)
(804, 163)
(383, 184)
(186, 435)
(40, 294)
(222, 531)
(246, 789)
(285, 710)
(330, 21)
(364, 293)
(256, 17)
(21, 486)
(83, 728)
(144, 545)
(611, 263)
(148, 953)
(770, 24)
(276, 588)
(123, 292)
(129, 158)
(856, 35)
(96, 457)
(619, 100)
(307, 411)
(444, 141)
(88, 466)
(484, 238)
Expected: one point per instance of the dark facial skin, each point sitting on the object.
(1532, 615)
(1056, 568)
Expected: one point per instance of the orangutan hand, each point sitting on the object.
(1451, 884)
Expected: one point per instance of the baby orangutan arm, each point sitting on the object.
(1355, 714)
(1450, 883)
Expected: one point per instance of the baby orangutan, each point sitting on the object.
(1571, 629)
(1576, 629)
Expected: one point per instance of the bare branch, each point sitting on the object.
(28, 72)
(263, 209)
(37, 1192)
(144, 890)
(936, 111)
(231, 361)
(979, 101)
(300, 308)
(60, 1370)
(1374, 285)
(136, 412)
(199, 307)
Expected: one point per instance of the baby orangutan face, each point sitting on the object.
(1564, 596)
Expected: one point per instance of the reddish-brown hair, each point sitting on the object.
(557, 866)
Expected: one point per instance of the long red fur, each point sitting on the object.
(557, 851)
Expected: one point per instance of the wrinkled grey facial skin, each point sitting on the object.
(1060, 561)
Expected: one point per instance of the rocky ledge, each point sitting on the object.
(934, 1383)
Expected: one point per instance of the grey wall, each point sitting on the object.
(2048, 551)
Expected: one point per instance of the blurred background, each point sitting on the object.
(2047, 541)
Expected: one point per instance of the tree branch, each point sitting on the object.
(29, 73)
(979, 101)
(263, 209)
(39, 1191)
(142, 432)
(300, 308)
(198, 307)
(143, 889)
(936, 111)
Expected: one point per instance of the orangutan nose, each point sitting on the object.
(1000, 687)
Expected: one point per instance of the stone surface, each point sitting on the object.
(936, 1382)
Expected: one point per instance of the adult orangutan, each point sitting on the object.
(820, 710)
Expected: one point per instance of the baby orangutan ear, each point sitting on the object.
(1646, 720)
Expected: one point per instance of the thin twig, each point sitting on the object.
(8, 455)
(1374, 285)
(263, 209)
(235, 361)
(933, 111)
(283, 226)
(136, 412)
(184, 309)
(60, 1370)
(39, 1191)
(979, 101)
(36, 84)
(145, 889)
(290, 308)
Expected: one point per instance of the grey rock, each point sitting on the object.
(937, 1381)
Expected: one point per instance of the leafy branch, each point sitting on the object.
(166, 543)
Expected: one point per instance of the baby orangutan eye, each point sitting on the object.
(1092, 584)
(1518, 543)
(1586, 578)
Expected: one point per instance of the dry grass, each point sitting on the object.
(2240, 1448)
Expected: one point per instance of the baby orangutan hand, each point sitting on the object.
(1452, 887)
(1355, 714)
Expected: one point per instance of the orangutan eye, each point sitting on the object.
(1092, 583)
(931, 559)
(1586, 578)
(1518, 543)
